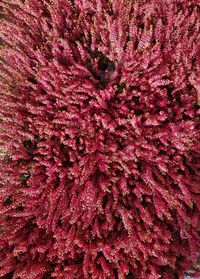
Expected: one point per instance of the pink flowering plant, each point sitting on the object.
(99, 139)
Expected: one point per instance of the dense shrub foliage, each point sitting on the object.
(99, 139)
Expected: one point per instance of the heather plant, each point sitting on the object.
(99, 139)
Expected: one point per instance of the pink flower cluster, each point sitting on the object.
(99, 139)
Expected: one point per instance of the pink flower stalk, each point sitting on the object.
(99, 139)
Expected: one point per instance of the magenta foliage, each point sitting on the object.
(99, 139)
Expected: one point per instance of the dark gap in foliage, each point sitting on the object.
(154, 41)
(111, 67)
(29, 223)
(186, 117)
(67, 136)
(140, 179)
(32, 80)
(8, 201)
(148, 271)
(136, 44)
(56, 182)
(118, 172)
(62, 267)
(190, 209)
(9, 275)
(176, 276)
(102, 63)
(164, 21)
(141, 26)
(90, 13)
(162, 152)
(155, 177)
(59, 223)
(46, 13)
(132, 179)
(96, 175)
(66, 161)
(47, 275)
(81, 152)
(63, 108)
(105, 200)
(130, 276)
(136, 99)
(25, 176)
(1, 42)
(134, 87)
(139, 166)
(69, 261)
(100, 254)
(37, 137)
(191, 8)
(165, 77)
(30, 146)
(178, 98)
(7, 159)
(78, 141)
(138, 263)
(101, 85)
(54, 138)
(175, 186)
(180, 171)
(104, 69)
(128, 39)
(170, 89)
(128, 203)
(101, 219)
(162, 46)
(64, 61)
(138, 111)
(127, 206)
(120, 87)
(25, 127)
(20, 207)
(1, 14)
(171, 156)
(115, 273)
(169, 227)
(189, 87)
(23, 182)
(121, 144)
(150, 64)
(179, 6)
(194, 61)
(87, 101)
(144, 202)
(190, 170)
(164, 270)
(93, 53)
(7, 217)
